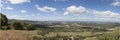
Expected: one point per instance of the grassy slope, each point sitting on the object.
(16, 35)
(28, 35)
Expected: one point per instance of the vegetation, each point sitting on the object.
(34, 30)
(14, 25)
(3, 19)
(110, 36)
(17, 26)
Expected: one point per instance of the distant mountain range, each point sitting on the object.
(38, 22)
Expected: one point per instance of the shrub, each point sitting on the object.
(17, 25)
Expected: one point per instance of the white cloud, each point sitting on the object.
(83, 10)
(56, 13)
(66, 13)
(77, 10)
(116, 3)
(15, 17)
(1, 3)
(45, 9)
(9, 8)
(18, 1)
(23, 11)
(18, 17)
(33, 15)
(106, 14)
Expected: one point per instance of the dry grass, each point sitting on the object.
(53, 34)
(28, 35)
(16, 35)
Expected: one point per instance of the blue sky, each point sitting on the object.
(62, 10)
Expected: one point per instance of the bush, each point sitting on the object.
(17, 25)
(21, 26)
(5, 27)
(28, 26)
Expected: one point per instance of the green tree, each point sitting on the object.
(17, 25)
(3, 21)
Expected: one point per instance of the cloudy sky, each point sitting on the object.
(62, 10)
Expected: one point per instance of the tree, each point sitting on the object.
(17, 25)
(3, 21)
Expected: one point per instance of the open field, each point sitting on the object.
(36, 34)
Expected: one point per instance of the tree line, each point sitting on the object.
(16, 25)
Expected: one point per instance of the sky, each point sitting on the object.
(62, 10)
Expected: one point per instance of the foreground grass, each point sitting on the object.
(29, 35)
(39, 35)
(16, 35)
